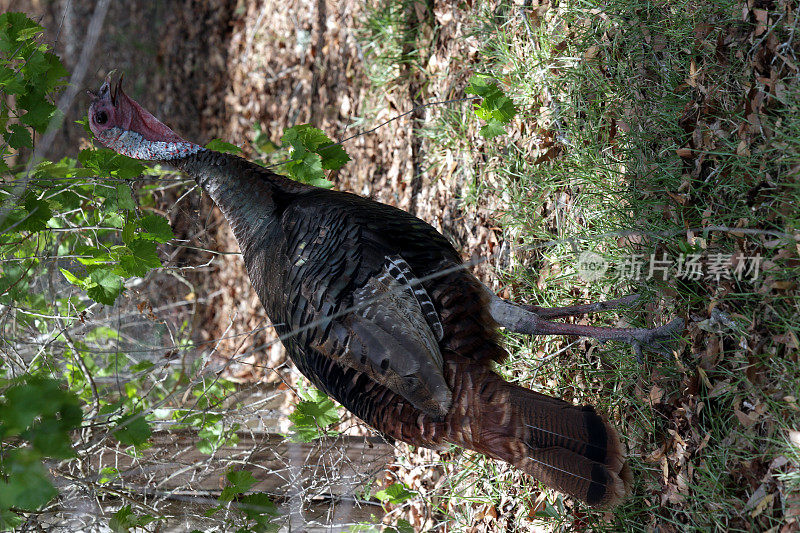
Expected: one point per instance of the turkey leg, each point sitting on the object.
(578, 310)
(531, 320)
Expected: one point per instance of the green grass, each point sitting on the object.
(389, 34)
(637, 133)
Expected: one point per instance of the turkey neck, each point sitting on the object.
(249, 195)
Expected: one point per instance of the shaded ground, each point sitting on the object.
(214, 70)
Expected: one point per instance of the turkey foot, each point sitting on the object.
(531, 320)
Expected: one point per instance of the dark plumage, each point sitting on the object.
(374, 306)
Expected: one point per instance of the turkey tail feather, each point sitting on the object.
(569, 448)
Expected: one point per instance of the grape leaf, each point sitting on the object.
(142, 258)
(312, 152)
(18, 137)
(9, 520)
(36, 398)
(27, 485)
(395, 493)
(55, 74)
(38, 110)
(15, 27)
(213, 434)
(157, 228)
(222, 146)
(311, 418)
(305, 166)
(72, 278)
(50, 436)
(124, 197)
(128, 232)
(133, 429)
(109, 164)
(261, 509)
(239, 482)
(492, 129)
(106, 286)
(255, 505)
(10, 81)
(117, 196)
(38, 213)
(123, 520)
(93, 256)
(495, 108)
(333, 156)
(31, 216)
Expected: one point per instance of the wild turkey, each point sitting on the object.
(375, 307)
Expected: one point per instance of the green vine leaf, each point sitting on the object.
(38, 213)
(312, 418)
(141, 259)
(26, 485)
(38, 411)
(109, 164)
(39, 110)
(104, 286)
(395, 494)
(10, 81)
(16, 28)
(260, 508)
(124, 520)
(157, 228)
(219, 145)
(18, 137)
(312, 153)
(239, 482)
(133, 429)
(9, 519)
(495, 107)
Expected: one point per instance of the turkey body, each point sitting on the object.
(375, 307)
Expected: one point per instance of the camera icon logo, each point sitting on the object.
(591, 266)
